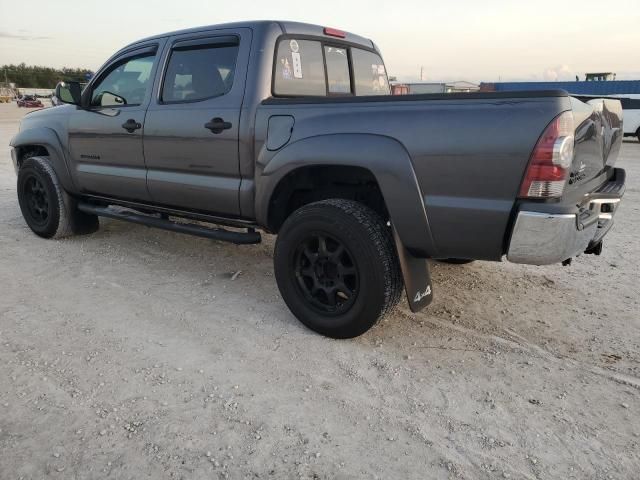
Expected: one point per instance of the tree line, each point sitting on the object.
(33, 76)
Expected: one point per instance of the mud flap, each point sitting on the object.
(417, 279)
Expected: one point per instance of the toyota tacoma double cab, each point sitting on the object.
(229, 130)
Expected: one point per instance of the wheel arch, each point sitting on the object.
(383, 158)
(43, 141)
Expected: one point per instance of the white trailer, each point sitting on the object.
(631, 116)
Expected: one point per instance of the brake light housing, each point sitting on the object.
(334, 32)
(551, 160)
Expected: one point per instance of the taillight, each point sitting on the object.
(550, 161)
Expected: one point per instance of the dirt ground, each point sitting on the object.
(137, 353)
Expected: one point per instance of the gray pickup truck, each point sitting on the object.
(289, 128)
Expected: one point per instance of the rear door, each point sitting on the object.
(191, 128)
(105, 139)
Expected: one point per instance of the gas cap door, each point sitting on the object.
(279, 131)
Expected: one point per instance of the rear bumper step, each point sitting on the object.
(240, 238)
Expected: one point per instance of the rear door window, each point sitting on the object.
(199, 72)
(369, 72)
(299, 69)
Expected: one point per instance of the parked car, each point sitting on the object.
(290, 128)
(29, 101)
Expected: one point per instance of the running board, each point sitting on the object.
(240, 238)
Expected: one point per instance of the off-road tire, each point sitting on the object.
(370, 254)
(456, 261)
(57, 215)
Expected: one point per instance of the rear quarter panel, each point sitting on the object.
(469, 155)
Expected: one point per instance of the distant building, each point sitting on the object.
(462, 87)
(591, 87)
(426, 87)
(399, 89)
(600, 77)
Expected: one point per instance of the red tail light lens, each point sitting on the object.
(334, 32)
(550, 161)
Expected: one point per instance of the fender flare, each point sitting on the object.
(47, 138)
(384, 157)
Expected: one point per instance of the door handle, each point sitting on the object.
(131, 125)
(217, 125)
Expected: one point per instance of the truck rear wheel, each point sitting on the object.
(337, 268)
(48, 210)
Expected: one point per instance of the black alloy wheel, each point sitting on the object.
(326, 273)
(337, 268)
(37, 201)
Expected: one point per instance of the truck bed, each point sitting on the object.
(469, 153)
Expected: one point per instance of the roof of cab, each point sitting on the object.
(295, 28)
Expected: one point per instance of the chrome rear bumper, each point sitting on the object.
(542, 238)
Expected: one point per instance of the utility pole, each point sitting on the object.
(421, 71)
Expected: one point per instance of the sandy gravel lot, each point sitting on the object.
(136, 353)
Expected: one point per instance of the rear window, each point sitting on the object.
(337, 69)
(370, 74)
(299, 68)
(315, 68)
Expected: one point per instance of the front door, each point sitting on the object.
(191, 128)
(105, 137)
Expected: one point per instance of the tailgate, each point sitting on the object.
(598, 138)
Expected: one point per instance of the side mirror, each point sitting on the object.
(69, 92)
(108, 99)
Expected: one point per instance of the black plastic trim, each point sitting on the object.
(194, 43)
(241, 238)
(201, 217)
(411, 98)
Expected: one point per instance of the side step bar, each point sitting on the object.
(240, 238)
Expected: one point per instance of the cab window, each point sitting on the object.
(126, 84)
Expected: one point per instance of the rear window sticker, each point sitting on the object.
(381, 70)
(297, 65)
(293, 45)
(286, 68)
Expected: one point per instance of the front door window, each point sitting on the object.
(125, 84)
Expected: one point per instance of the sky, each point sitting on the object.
(473, 40)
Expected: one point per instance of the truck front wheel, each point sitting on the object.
(337, 268)
(48, 210)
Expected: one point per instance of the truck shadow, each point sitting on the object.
(483, 297)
